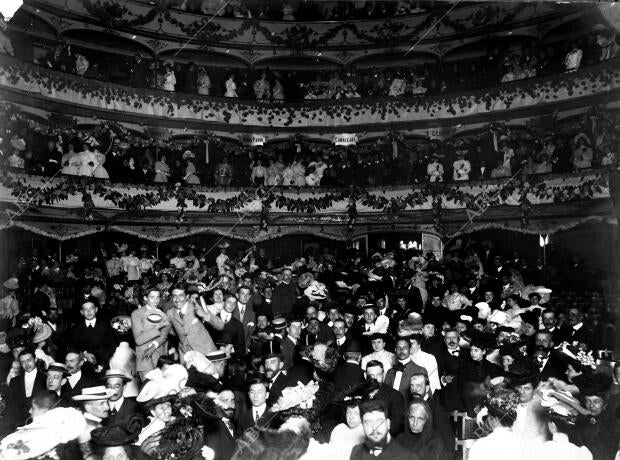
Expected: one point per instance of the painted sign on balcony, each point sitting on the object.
(254, 139)
(345, 139)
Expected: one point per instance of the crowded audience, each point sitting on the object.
(502, 61)
(359, 355)
(108, 151)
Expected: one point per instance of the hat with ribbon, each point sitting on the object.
(94, 394)
(116, 373)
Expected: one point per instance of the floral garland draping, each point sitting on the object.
(115, 16)
(90, 93)
(523, 192)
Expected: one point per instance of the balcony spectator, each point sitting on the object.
(500, 170)
(273, 174)
(606, 40)
(162, 170)
(81, 64)
(434, 170)
(259, 173)
(482, 171)
(397, 87)
(144, 174)
(573, 58)
(70, 162)
(508, 155)
(583, 153)
(169, 79)
(16, 160)
(287, 11)
(204, 82)
(6, 47)
(190, 176)
(608, 156)
(461, 166)
(299, 171)
(60, 57)
(277, 92)
(138, 70)
(261, 88)
(191, 79)
(88, 157)
(223, 172)
(231, 86)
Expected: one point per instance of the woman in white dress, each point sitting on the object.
(162, 170)
(583, 153)
(170, 80)
(70, 162)
(277, 93)
(204, 82)
(99, 171)
(231, 86)
(130, 266)
(88, 160)
(261, 88)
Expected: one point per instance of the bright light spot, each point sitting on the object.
(9, 7)
(133, 37)
(320, 54)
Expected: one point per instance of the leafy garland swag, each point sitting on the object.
(491, 195)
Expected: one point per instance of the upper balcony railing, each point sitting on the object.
(602, 80)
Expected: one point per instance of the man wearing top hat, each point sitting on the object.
(9, 305)
(349, 373)
(121, 407)
(274, 371)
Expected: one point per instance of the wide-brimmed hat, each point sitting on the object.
(11, 283)
(503, 404)
(197, 360)
(116, 373)
(223, 245)
(162, 386)
(42, 333)
(119, 434)
(94, 394)
(593, 384)
(279, 323)
(217, 355)
(188, 154)
(58, 367)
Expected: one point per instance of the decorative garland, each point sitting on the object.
(112, 14)
(531, 186)
(583, 80)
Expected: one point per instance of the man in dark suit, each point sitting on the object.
(80, 375)
(550, 322)
(121, 407)
(284, 295)
(419, 386)
(481, 171)
(276, 375)
(245, 312)
(258, 413)
(233, 329)
(289, 343)
(392, 399)
(578, 331)
(340, 329)
(349, 373)
(220, 432)
(449, 363)
(94, 338)
(22, 388)
(398, 377)
(551, 365)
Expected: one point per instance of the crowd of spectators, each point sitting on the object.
(291, 10)
(503, 62)
(398, 329)
(108, 151)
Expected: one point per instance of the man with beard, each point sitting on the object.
(549, 364)
(450, 363)
(392, 399)
(379, 443)
(220, 432)
(274, 372)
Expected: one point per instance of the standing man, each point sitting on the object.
(188, 320)
(284, 295)
(399, 376)
(379, 443)
(289, 343)
(77, 379)
(92, 336)
(220, 434)
(392, 400)
(258, 393)
(425, 360)
(274, 371)
(22, 387)
(245, 312)
(233, 329)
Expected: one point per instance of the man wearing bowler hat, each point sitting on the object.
(121, 407)
(349, 373)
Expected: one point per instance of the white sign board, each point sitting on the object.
(345, 139)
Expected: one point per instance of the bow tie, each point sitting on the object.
(376, 451)
(399, 367)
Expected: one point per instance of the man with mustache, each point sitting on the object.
(449, 363)
(378, 444)
(220, 433)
